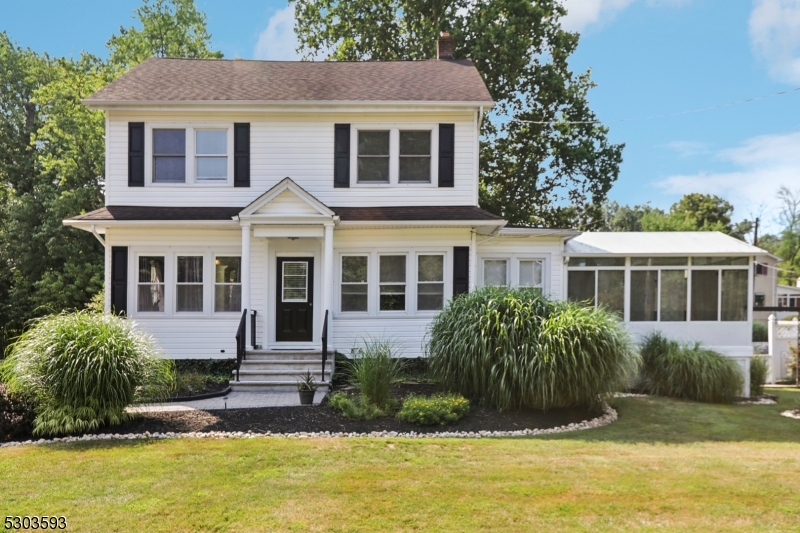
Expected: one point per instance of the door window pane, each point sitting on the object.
(295, 281)
(169, 155)
(495, 273)
(415, 156)
(212, 150)
(530, 274)
(373, 156)
(705, 288)
(392, 283)
(354, 283)
(227, 284)
(734, 295)
(430, 282)
(580, 286)
(673, 295)
(150, 283)
(611, 290)
(189, 290)
(644, 295)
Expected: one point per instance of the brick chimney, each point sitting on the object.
(444, 46)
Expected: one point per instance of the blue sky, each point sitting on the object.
(648, 57)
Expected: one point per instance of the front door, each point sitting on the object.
(295, 296)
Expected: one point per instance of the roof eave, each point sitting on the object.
(101, 105)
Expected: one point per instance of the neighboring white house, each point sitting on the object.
(339, 200)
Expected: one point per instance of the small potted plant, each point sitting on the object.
(307, 386)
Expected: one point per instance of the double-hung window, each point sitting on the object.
(495, 272)
(392, 281)
(189, 286)
(211, 155)
(150, 284)
(354, 287)
(373, 156)
(531, 273)
(227, 284)
(415, 156)
(169, 156)
(430, 282)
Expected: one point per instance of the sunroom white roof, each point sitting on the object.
(680, 243)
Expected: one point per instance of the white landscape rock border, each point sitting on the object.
(791, 414)
(607, 418)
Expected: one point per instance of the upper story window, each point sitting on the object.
(373, 156)
(211, 154)
(387, 155)
(169, 155)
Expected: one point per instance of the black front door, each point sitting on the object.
(295, 296)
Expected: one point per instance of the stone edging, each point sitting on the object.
(791, 414)
(604, 420)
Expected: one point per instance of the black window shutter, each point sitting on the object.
(341, 156)
(460, 270)
(135, 154)
(241, 154)
(447, 159)
(119, 280)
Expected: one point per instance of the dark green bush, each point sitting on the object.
(759, 368)
(513, 348)
(354, 407)
(83, 369)
(439, 409)
(16, 416)
(688, 371)
(760, 332)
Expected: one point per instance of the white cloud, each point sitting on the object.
(760, 166)
(775, 36)
(584, 13)
(689, 148)
(278, 40)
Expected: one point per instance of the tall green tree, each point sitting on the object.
(545, 159)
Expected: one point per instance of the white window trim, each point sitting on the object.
(373, 277)
(482, 274)
(170, 254)
(418, 282)
(191, 155)
(394, 153)
(512, 268)
(339, 274)
(214, 284)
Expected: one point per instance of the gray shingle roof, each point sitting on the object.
(216, 80)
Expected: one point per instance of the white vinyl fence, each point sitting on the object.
(782, 338)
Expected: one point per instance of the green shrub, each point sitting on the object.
(354, 407)
(439, 409)
(759, 368)
(16, 416)
(374, 368)
(688, 371)
(83, 369)
(513, 348)
(760, 332)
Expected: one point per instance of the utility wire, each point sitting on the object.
(709, 108)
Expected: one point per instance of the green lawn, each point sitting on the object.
(664, 466)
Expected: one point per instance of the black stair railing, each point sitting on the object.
(241, 342)
(324, 343)
(253, 329)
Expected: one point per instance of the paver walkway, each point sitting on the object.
(234, 400)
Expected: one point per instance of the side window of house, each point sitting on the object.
(227, 284)
(495, 272)
(354, 287)
(150, 284)
(415, 156)
(531, 273)
(189, 286)
(169, 155)
(392, 279)
(430, 282)
(211, 155)
(373, 156)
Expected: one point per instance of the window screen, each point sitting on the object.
(373, 156)
(169, 156)
(415, 156)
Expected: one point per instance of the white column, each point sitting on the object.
(327, 276)
(473, 261)
(246, 276)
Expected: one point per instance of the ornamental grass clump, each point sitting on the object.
(374, 368)
(688, 371)
(83, 369)
(759, 369)
(514, 348)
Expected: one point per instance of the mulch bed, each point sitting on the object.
(320, 418)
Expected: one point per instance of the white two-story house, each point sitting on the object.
(306, 206)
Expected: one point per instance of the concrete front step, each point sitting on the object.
(271, 386)
(269, 355)
(289, 367)
(275, 375)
